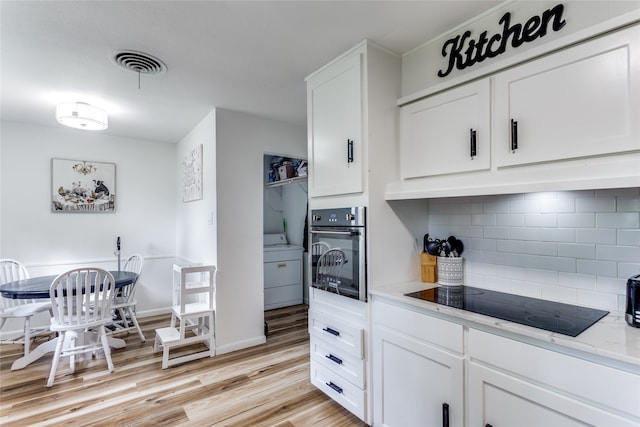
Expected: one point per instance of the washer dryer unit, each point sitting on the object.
(282, 272)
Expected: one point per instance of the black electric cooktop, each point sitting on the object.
(552, 316)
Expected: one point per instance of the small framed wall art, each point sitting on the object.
(82, 186)
(192, 175)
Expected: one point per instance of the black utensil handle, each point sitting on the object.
(331, 331)
(334, 387)
(334, 358)
(474, 148)
(514, 135)
(445, 415)
(349, 150)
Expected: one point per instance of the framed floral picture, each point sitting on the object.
(82, 186)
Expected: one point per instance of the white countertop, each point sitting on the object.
(610, 337)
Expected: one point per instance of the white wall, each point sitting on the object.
(196, 220)
(49, 243)
(241, 141)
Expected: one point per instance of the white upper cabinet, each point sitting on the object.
(447, 133)
(334, 114)
(581, 102)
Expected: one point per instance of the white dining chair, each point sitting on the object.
(125, 303)
(10, 271)
(81, 301)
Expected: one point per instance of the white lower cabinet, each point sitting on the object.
(418, 369)
(514, 383)
(422, 362)
(337, 329)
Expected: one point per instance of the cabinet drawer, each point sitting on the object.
(282, 273)
(339, 389)
(588, 381)
(339, 334)
(432, 330)
(346, 365)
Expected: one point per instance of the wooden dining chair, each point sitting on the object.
(24, 309)
(125, 303)
(81, 300)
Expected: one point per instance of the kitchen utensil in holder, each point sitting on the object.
(450, 271)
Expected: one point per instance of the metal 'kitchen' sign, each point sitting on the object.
(464, 52)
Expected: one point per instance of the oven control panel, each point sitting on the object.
(338, 217)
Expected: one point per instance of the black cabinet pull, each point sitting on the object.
(514, 135)
(445, 415)
(334, 359)
(331, 331)
(488, 425)
(472, 137)
(349, 150)
(334, 387)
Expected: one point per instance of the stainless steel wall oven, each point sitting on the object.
(338, 251)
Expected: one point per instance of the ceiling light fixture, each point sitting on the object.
(81, 115)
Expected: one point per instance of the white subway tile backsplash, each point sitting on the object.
(618, 220)
(628, 204)
(496, 232)
(611, 285)
(541, 248)
(558, 264)
(573, 246)
(557, 205)
(510, 220)
(510, 246)
(577, 250)
(540, 220)
(629, 237)
(607, 204)
(524, 206)
(560, 294)
(626, 270)
(541, 276)
(482, 244)
(597, 268)
(496, 207)
(618, 253)
(577, 220)
(557, 234)
(577, 281)
(483, 219)
(523, 233)
(527, 289)
(465, 231)
(460, 219)
(596, 235)
(598, 300)
(511, 272)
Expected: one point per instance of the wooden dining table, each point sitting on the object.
(38, 288)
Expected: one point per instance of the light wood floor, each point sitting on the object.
(266, 385)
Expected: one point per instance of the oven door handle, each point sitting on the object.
(342, 233)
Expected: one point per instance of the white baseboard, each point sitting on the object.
(239, 345)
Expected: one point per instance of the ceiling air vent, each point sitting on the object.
(140, 62)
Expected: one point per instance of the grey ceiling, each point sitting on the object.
(249, 56)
